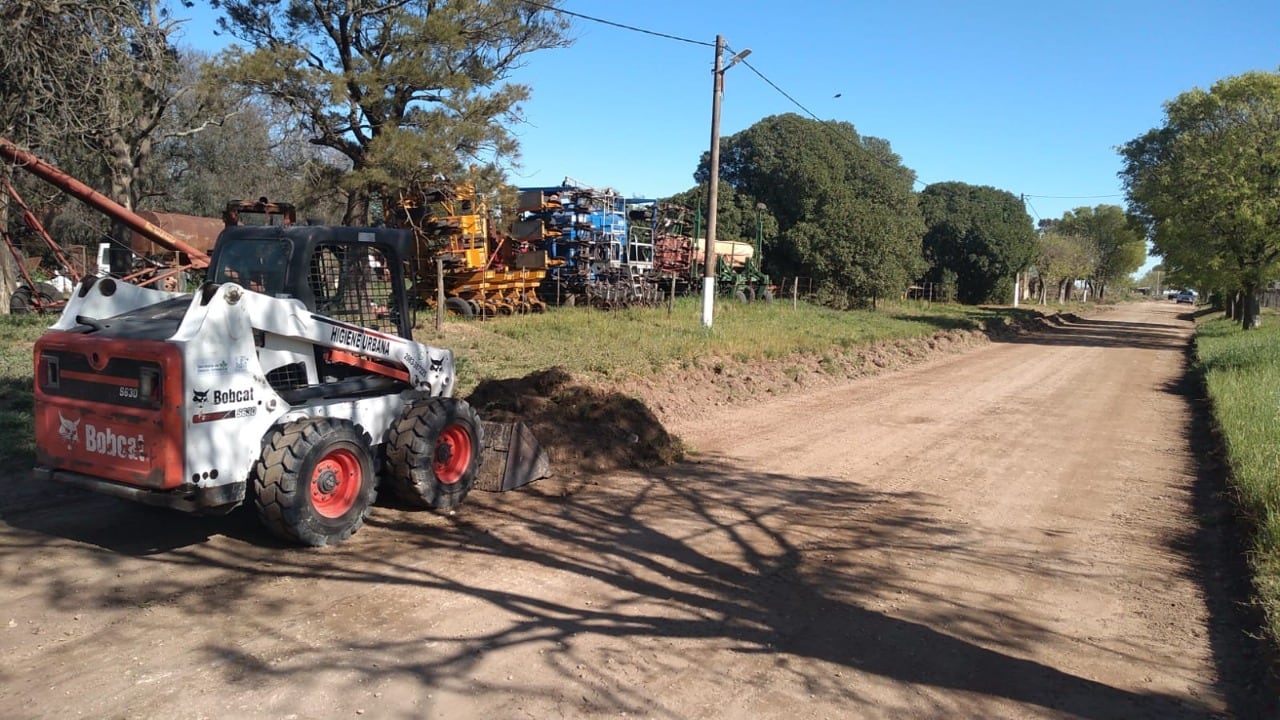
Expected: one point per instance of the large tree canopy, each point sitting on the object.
(1207, 184)
(402, 90)
(844, 206)
(981, 234)
(1114, 239)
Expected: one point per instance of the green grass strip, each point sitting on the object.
(1242, 374)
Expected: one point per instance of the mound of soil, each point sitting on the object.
(584, 429)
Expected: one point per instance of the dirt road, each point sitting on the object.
(1028, 529)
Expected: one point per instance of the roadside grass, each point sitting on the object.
(629, 343)
(1242, 374)
(17, 337)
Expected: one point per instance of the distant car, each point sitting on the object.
(1186, 296)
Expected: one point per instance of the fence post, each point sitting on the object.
(439, 294)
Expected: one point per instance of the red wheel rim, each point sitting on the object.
(452, 455)
(335, 483)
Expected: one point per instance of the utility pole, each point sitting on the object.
(709, 256)
(709, 260)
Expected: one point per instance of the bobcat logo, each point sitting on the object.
(69, 430)
(437, 364)
(199, 396)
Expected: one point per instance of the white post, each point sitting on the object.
(709, 261)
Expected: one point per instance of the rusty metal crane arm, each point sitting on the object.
(98, 201)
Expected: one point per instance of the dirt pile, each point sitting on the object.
(584, 429)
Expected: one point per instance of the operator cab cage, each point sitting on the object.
(356, 275)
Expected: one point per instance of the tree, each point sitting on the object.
(401, 91)
(845, 211)
(1062, 260)
(94, 77)
(89, 85)
(251, 151)
(1206, 185)
(981, 234)
(736, 215)
(1116, 242)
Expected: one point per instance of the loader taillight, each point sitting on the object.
(149, 386)
(48, 375)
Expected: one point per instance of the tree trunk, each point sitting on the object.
(1251, 313)
(357, 213)
(8, 272)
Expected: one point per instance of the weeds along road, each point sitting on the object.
(1028, 529)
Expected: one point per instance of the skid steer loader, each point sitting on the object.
(289, 380)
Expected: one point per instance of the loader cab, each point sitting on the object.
(355, 275)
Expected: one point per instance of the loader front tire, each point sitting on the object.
(433, 453)
(314, 483)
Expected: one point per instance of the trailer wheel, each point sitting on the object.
(458, 306)
(433, 453)
(740, 296)
(766, 296)
(20, 301)
(314, 483)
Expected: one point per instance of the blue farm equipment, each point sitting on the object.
(590, 256)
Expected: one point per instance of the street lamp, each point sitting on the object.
(709, 259)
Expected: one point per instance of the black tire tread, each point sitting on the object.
(409, 448)
(280, 490)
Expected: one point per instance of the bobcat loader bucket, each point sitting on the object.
(512, 457)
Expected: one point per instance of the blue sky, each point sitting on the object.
(1027, 97)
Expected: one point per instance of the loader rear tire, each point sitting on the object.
(433, 453)
(314, 483)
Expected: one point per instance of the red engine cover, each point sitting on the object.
(110, 408)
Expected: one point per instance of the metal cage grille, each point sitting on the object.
(353, 284)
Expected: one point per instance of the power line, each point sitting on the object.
(1033, 207)
(825, 123)
(1076, 197)
(781, 92)
(632, 28)
(918, 181)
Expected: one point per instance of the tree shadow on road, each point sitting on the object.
(682, 565)
(1099, 332)
(679, 566)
